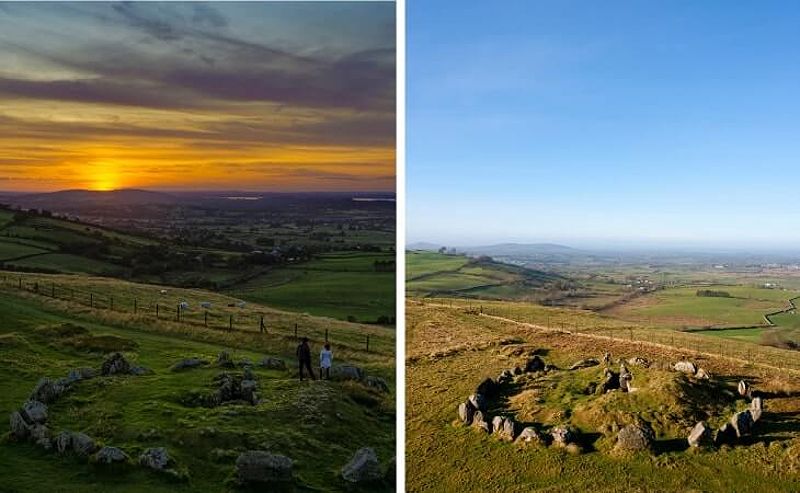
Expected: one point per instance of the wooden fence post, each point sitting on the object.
(205, 318)
(367, 342)
(295, 330)
(156, 310)
(91, 300)
(178, 313)
(230, 322)
(326, 336)
(135, 306)
(53, 290)
(110, 302)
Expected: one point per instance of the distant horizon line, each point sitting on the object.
(193, 190)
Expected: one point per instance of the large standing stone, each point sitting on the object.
(742, 423)
(115, 364)
(466, 411)
(110, 455)
(256, 466)
(700, 435)
(363, 467)
(155, 458)
(248, 391)
(19, 428)
(47, 391)
(534, 364)
(685, 367)
(34, 412)
(607, 358)
(756, 408)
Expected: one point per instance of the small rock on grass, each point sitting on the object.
(363, 467)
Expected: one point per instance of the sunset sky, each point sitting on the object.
(246, 96)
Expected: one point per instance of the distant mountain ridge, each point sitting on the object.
(67, 199)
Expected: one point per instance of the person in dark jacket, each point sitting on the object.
(304, 358)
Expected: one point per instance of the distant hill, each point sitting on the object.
(78, 200)
(435, 274)
(520, 249)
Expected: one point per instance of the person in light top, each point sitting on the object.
(325, 361)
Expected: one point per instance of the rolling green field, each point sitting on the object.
(318, 424)
(431, 274)
(681, 307)
(449, 351)
(12, 249)
(338, 285)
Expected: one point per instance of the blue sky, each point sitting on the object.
(670, 123)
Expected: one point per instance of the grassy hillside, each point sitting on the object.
(318, 424)
(340, 285)
(432, 274)
(450, 350)
(677, 307)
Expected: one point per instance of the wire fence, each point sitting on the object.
(237, 318)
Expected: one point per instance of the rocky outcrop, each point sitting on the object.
(363, 467)
(34, 412)
(347, 373)
(563, 436)
(466, 411)
(256, 466)
(376, 383)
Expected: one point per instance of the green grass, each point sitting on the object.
(423, 263)
(677, 307)
(10, 249)
(450, 352)
(433, 274)
(67, 263)
(333, 285)
(318, 424)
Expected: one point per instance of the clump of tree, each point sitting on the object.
(712, 293)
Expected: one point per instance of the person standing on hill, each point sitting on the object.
(304, 358)
(325, 361)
